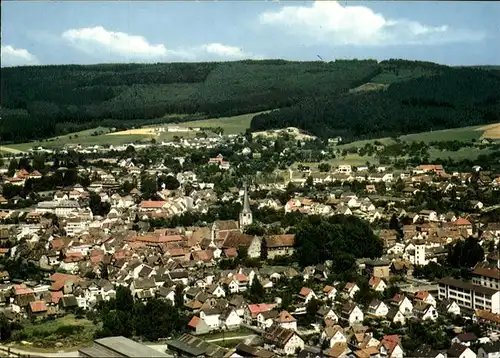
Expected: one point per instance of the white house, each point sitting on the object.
(350, 289)
(403, 303)
(333, 334)
(286, 320)
(458, 350)
(307, 294)
(211, 316)
(425, 297)
(351, 313)
(378, 308)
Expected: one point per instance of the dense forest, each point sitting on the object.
(43, 101)
(452, 98)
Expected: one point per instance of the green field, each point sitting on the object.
(230, 125)
(68, 331)
(464, 134)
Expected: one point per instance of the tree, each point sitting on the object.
(148, 188)
(179, 295)
(465, 254)
(5, 328)
(124, 299)
(256, 290)
(324, 167)
(13, 165)
(255, 230)
(39, 162)
(242, 253)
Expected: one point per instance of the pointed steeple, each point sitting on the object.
(246, 203)
(245, 214)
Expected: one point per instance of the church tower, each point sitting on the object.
(246, 213)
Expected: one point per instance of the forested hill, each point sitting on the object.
(43, 101)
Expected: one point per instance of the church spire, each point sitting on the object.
(246, 213)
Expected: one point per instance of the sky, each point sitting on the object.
(87, 32)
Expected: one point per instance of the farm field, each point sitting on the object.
(230, 125)
(464, 134)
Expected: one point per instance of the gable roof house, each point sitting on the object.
(283, 341)
(279, 245)
(251, 243)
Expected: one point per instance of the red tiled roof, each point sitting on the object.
(152, 204)
(305, 291)
(56, 296)
(260, 307)
(462, 221)
(193, 323)
(38, 306)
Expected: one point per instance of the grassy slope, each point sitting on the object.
(231, 125)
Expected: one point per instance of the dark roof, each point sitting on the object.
(119, 347)
(491, 347)
(456, 350)
(69, 301)
(467, 337)
(278, 335)
(236, 239)
(248, 351)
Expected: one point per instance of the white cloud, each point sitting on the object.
(330, 22)
(223, 50)
(99, 41)
(17, 57)
(91, 39)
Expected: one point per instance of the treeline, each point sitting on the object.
(43, 101)
(451, 98)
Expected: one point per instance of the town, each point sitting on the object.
(250, 246)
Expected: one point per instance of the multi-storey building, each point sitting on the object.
(469, 295)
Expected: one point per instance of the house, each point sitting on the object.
(458, 350)
(252, 311)
(279, 245)
(216, 290)
(251, 243)
(394, 315)
(266, 319)
(447, 306)
(403, 303)
(211, 316)
(37, 309)
(306, 294)
(286, 320)
(327, 315)
(390, 346)
(329, 292)
(428, 215)
(229, 319)
(377, 284)
(425, 311)
(350, 289)
(333, 335)
(489, 350)
(283, 341)
(378, 308)
(425, 297)
(466, 338)
(378, 268)
(351, 313)
(198, 326)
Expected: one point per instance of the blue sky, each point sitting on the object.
(454, 33)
